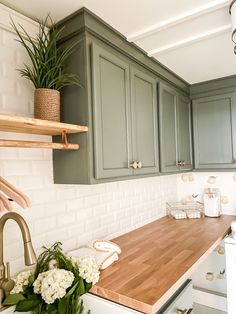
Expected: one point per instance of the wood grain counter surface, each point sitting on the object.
(157, 258)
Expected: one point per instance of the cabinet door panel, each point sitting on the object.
(111, 115)
(184, 133)
(144, 121)
(214, 131)
(168, 128)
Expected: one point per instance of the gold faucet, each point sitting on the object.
(6, 284)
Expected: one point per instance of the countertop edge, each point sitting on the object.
(186, 275)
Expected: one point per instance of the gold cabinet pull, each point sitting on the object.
(179, 311)
(134, 165)
(139, 164)
(181, 163)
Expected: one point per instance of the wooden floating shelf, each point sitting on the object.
(37, 126)
(31, 144)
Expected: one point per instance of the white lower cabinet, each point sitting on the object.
(230, 254)
(181, 302)
(99, 305)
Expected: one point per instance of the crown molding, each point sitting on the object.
(5, 23)
(200, 11)
(190, 40)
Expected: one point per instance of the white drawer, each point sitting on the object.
(99, 305)
(181, 302)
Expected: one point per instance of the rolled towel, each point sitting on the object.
(103, 259)
(105, 246)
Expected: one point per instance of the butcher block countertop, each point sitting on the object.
(157, 258)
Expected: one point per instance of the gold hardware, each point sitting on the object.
(29, 254)
(179, 163)
(179, 311)
(234, 161)
(139, 164)
(134, 165)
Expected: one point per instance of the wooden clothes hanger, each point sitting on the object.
(8, 192)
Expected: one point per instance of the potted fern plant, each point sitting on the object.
(47, 70)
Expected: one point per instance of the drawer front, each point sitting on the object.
(181, 302)
(99, 305)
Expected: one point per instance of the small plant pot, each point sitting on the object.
(47, 104)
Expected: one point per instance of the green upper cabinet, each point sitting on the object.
(214, 124)
(184, 132)
(111, 114)
(175, 130)
(144, 121)
(117, 99)
(124, 117)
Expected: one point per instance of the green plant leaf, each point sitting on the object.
(81, 287)
(27, 305)
(47, 69)
(72, 290)
(13, 299)
(62, 305)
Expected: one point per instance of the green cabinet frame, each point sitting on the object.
(124, 117)
(117, 100)
(214, 125)
(175, 130)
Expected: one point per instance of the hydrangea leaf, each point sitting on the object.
(27, 305)
(13, 299)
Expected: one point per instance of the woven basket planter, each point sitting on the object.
(47, 104)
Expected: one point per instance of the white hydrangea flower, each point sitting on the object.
(38, 283)
(53, 283)
(21, 280)
(88, 269)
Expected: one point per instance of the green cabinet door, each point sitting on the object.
(214, 119)
(144, 121)
(111, 114)
(168, 128)
(175, 130)
(184, 146)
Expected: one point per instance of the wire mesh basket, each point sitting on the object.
(180, 210)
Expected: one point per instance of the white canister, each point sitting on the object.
(212, 204)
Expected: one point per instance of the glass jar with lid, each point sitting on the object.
(212, 203)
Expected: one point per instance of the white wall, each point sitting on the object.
(226, 182)
(71, 214)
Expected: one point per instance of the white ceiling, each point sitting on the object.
(191, 37)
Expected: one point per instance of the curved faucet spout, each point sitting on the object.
(30, 257)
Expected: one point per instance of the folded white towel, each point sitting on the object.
(103, 259)
(105, 246)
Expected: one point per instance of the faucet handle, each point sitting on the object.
(7, 283)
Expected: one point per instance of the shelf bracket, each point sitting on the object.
(64, 138)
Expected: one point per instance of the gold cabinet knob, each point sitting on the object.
(179, 311)
(134, 165)
(139, 164)
(181, 163)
